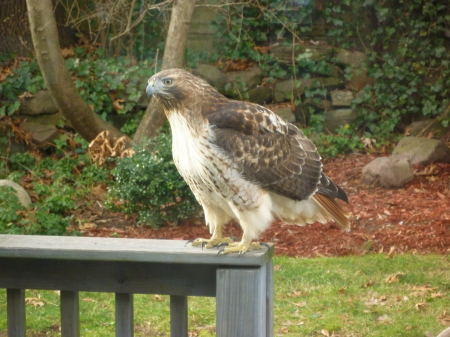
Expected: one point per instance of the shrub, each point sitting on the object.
(149, 184)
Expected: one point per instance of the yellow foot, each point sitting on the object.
(209, 243)
(241, 248)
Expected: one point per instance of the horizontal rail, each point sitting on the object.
(243, 285)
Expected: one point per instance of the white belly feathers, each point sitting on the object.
(207, 169)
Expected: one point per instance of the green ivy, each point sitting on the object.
(408, 56)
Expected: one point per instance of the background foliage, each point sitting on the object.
(407, 44)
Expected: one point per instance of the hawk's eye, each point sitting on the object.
(167, 81)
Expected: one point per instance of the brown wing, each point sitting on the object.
(270, 152)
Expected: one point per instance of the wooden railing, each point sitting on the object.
(243, 286)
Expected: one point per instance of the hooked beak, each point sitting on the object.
(151, 88)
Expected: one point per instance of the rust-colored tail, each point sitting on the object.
(333, 209)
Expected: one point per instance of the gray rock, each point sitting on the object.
(284, 112)
(42, 134)
(341, 97)
(260, 95)
(303, 112)
(359, 79)
(251, 77)
(284, 89)
(388, 172)
(40, 103)
(337, 118)
(424, 128)
(304, 50)
(212, 75)
(21, 194)
(422, 151)
(354, 59)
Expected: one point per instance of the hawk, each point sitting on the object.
(243, 162)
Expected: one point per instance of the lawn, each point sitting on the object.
(371, 295)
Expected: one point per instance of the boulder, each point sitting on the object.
(284, 112)
(284, 89)
(359, 79)
(314, 52)
(251, 77)
(41, 134)
(341, 97)
(423, 151)
(426, 127)
(337, 118)
(21, 194)
(212, 75)
(388, 172)
(303, 111)
(40, 104)
(260, 95)
(354, 58)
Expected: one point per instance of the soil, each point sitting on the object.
(415, 218)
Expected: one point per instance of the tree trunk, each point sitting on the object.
(174, 50)
(57, 77)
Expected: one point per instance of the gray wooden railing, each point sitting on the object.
(243, 286)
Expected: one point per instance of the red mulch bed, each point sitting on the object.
(415, 218)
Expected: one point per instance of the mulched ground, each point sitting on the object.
(415, 218)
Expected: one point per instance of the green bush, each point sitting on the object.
(149, 184)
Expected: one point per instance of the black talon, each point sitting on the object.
(265, 244)
(189, 241)
(222, 244)
(240, 253)
(204, 243)
(220, 252)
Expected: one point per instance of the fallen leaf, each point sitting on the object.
(158, 298)
(445, 318)
(88, 299)
(391, 253)
(285, 330)
(277, 267)
(117, 104)
(325, 332)
(421, 306)
(34, 301)
(368, 284)
(384, 319)
(394, 278)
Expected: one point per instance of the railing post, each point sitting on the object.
(70, 314)
(124, 315)
(241, 301)
(15, 301)
(178, 316)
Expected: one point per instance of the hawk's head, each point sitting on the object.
(178, 87)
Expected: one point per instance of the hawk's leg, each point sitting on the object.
(216, 239)
(243, 246)
(216, 218)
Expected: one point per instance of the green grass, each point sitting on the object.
(350, 296)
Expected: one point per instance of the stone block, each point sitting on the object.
(41, 103)
(388, 172)
(422, 151)
(341, 97)
(337, 118)
(260, 95)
